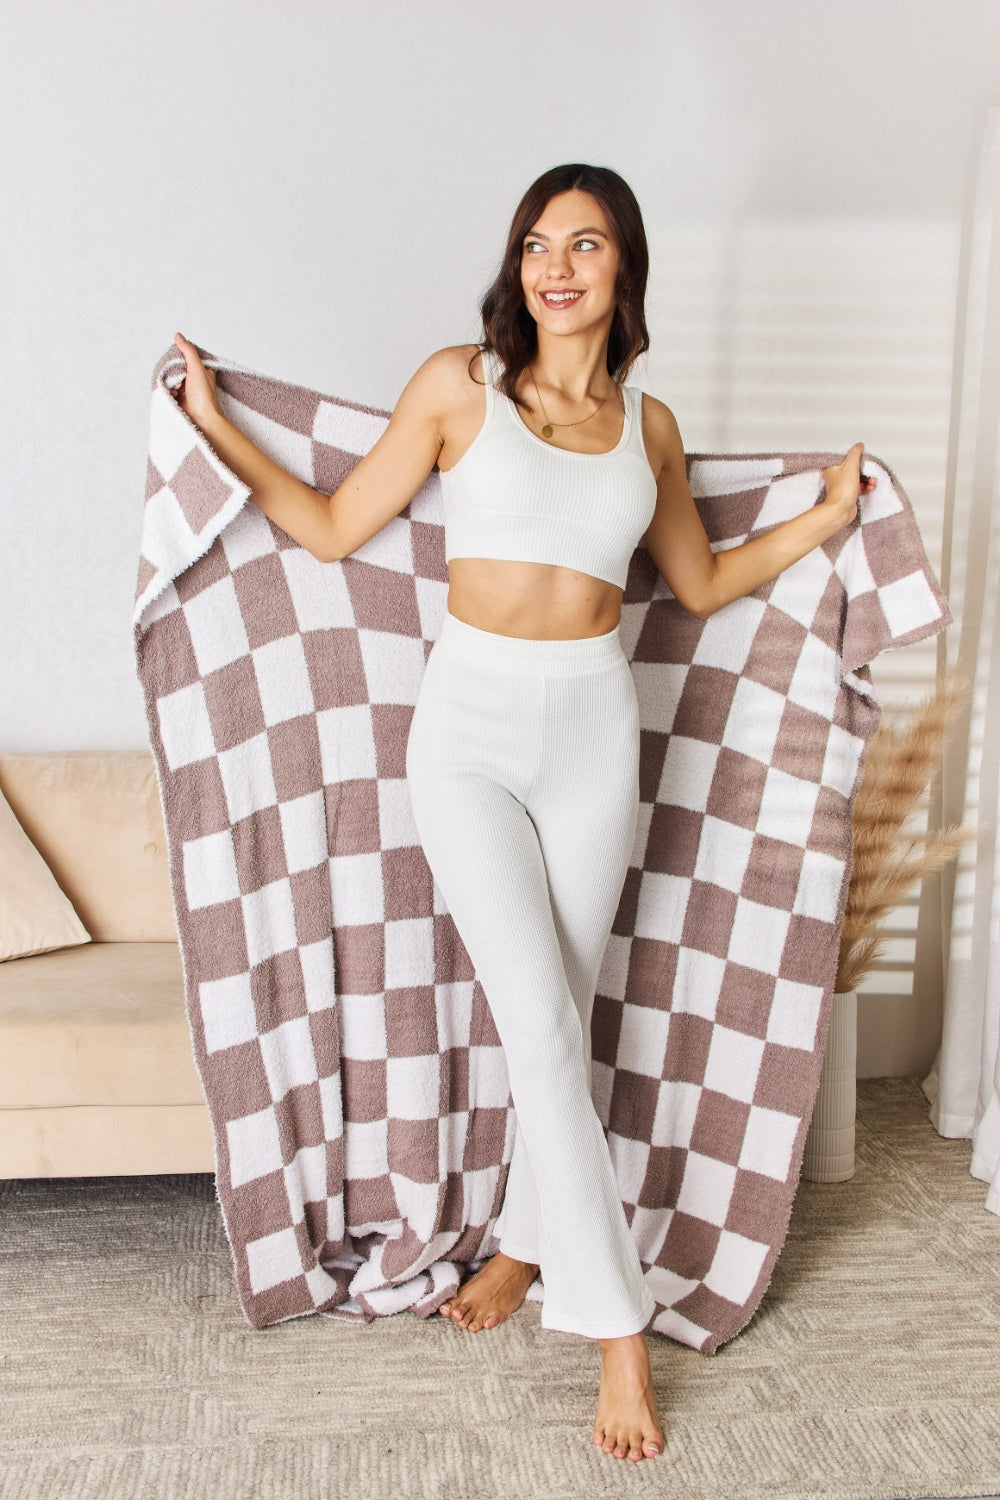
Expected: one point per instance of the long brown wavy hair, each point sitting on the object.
(509, 330)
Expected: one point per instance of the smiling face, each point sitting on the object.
(569, 265)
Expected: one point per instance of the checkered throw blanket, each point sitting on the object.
(357, 1088)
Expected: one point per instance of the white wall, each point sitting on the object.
(321, 191)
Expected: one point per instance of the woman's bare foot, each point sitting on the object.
(627, 1422)
(489, 1297)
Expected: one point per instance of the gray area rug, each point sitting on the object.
(872, 1369)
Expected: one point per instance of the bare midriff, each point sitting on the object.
(533, 601)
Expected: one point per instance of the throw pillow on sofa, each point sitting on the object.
(35, 915)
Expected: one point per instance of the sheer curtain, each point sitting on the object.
(964, 1085)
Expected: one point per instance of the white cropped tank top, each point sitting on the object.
(513, 496)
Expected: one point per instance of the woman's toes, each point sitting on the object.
(629, 1446)
(445, 1309)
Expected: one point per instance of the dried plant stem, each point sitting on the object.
(888, 861)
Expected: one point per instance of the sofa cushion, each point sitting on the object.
(102, 1024)
(94, 817)
(35, 915)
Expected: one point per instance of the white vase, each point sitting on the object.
(829, 1152)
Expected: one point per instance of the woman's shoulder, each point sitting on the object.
(660, 432)
(449, 377)
(458, 365)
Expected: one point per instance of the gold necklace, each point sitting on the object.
(548, 427)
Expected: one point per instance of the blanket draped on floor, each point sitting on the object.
(357, 1088)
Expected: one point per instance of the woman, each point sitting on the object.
(523, 751)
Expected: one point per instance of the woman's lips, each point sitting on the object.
(558, 300)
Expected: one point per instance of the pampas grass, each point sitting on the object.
(888, 860)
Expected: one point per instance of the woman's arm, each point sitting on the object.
(704, 580)
(377, 489)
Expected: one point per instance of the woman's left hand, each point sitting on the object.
(845, 484)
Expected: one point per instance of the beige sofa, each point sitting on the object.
(96, 1072)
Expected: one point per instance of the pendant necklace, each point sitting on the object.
(548, 427)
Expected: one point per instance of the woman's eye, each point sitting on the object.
(531, 246)
(586, 245)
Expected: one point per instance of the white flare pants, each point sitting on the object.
(523, 770)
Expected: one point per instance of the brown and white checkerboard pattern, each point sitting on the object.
(357, 1088)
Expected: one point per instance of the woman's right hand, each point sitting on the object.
(196, 395)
